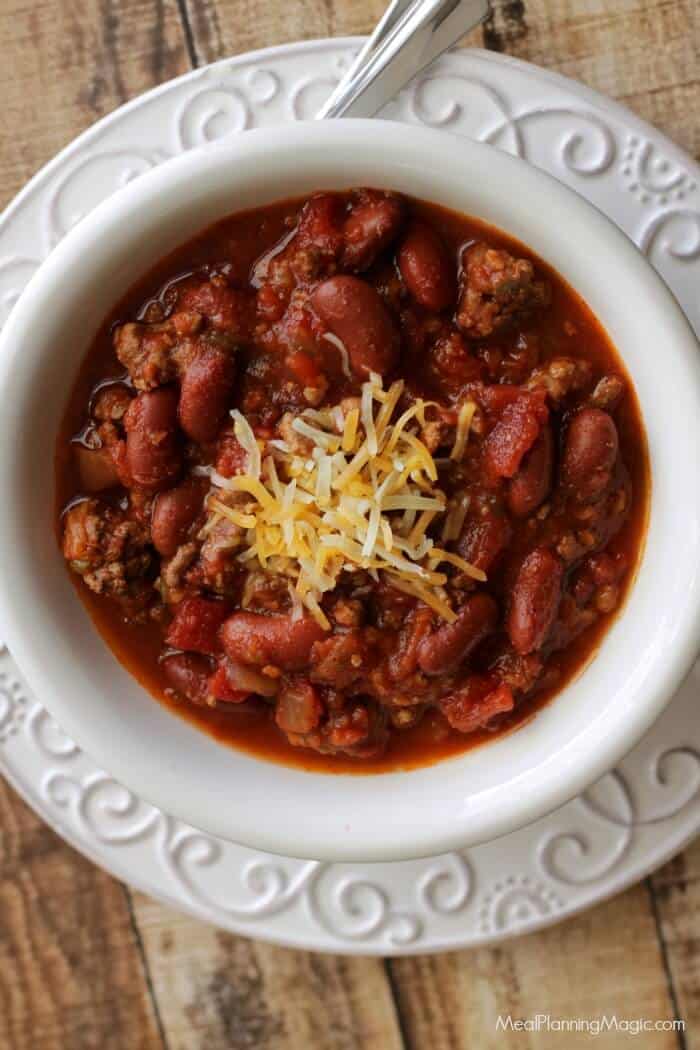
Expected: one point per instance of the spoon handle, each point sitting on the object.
(409, 36)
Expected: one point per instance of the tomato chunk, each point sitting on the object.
(514, 435)
(221, 689)
(195, 627)
(477, 702)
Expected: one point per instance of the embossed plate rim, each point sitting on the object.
(464, 928)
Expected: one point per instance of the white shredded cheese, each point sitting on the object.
(342, 350)
(363, 497)
(244, 432)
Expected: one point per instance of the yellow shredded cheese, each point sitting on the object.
(363, 498)
(464, 422)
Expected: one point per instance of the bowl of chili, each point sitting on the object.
(366, 466)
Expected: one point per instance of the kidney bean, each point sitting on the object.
(530, 486)
(196, 624)
(321, 225)
(188, 674)
(445, 649)
(426, 268)
(590, 452)
(173, 513)
(369, 229)
(483, 538)
(280, 641)
(414, 628)
(153, 455)
(205, 392)
(354, 311)
(96, 468)
(534, 600)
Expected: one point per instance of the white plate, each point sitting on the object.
(627, 824)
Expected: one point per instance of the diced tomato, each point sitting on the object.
(195, 627)
(515, 434)
(231, 457)
(221, 689)
(494, 398)
(303, 368)
(480, 699)
(350, 728)
(228, 308)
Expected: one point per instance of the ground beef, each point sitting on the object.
(561, 377)
(154, 354)
(111, 552)
(496, 290)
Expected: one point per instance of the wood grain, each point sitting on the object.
(643, 52)
(83, 963)
(68, 62)
(606, 961)
(221, 992)
(228, 27)
(71, 969)
(677, 900)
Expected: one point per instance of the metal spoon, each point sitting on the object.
(410, 34)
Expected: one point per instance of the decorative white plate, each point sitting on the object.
(627, 824)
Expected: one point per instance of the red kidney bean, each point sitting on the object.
(530, 486)
(369, 229)
(205, 393)
(153, 455)
(534, 600)
(321, 225)
(416, 626)
(173, 513)
(483, 538)
(426, 268)
(96, 468)
(280, 641)
(354, 311)
(188, 674)
(445, 649)
(590, 452)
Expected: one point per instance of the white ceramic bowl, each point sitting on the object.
(486, 792)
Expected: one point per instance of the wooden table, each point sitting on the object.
(87, 963)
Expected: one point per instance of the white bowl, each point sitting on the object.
(474, 797)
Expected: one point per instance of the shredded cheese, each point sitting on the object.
(363, 498)
(464, 422)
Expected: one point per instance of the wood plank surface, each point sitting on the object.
(72, 974)
(65, 63)
(607, 961)
(221, 992)
(677, 901)
(84, 963)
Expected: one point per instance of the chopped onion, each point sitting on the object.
(249, 681)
